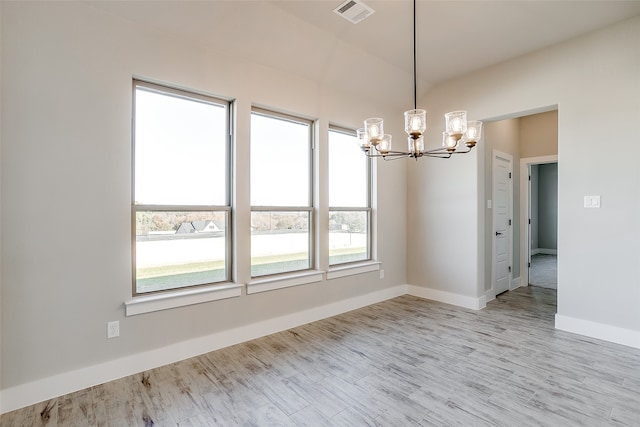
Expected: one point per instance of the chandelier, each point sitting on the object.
(459, 137)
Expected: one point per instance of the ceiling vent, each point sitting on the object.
(354, 11)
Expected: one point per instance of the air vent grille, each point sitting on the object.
(354, 11)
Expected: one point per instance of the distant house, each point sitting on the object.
(203, 226)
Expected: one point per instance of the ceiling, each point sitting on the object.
(307, 38)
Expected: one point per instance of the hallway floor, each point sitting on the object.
(544, 271)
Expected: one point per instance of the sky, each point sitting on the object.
(180, 150)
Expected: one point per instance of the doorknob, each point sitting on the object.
(499, 233)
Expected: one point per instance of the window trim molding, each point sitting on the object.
(346, 269)
(287, 280)
(147, 303)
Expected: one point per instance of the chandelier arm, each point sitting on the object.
(441, 155)
(468, 150)
(393, 155)
(391, 152)
(440, 150)
(388, 158)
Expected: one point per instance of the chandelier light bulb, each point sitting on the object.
(449, 141)
(416, 146)
(363, 140)
(384, 147)
(456, 123)
(415, 122)
(474, 132)
(374, 128)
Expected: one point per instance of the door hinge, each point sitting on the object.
(529, 177)
(509, 222)
(529, 221)
(509, 269)
(529, 265)
(509, 175)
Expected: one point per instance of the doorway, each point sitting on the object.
(539, 214)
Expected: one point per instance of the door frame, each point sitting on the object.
(525, 206)
(497, 153)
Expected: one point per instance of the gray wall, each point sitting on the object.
(535, 206)
(548, 206)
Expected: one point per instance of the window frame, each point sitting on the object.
(193, 96)
(368, 200)
(310, 208)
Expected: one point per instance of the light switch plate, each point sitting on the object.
(591, 201)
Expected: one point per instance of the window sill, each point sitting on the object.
(285, 281)
(352, 269)
(181, 298)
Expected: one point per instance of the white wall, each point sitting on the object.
(593, 80)
(66, 191)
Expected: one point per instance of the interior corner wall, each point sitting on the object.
(593, 81)
(65, 224)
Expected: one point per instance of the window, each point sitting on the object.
(281, 195)
(349, 199)
(181, 179)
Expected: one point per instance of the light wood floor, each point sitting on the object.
(406, 361)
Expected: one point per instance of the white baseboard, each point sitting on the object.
(68, 382)
(600, 331)
(544, 251)
(448, 297)
(515, 283)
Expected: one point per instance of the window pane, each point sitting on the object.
(348, 240)
(178, 249)
(280, 174)
(180, 150)
(347, 172)
(279, 242)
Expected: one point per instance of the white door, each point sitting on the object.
(502, 245)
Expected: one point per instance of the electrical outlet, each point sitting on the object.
(382, 274)
(113, 329)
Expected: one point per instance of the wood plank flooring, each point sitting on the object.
(403, 362)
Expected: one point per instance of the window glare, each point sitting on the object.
(347, 171)
(180, 150)
(279, 162)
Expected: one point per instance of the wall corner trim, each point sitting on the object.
(599, 331)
